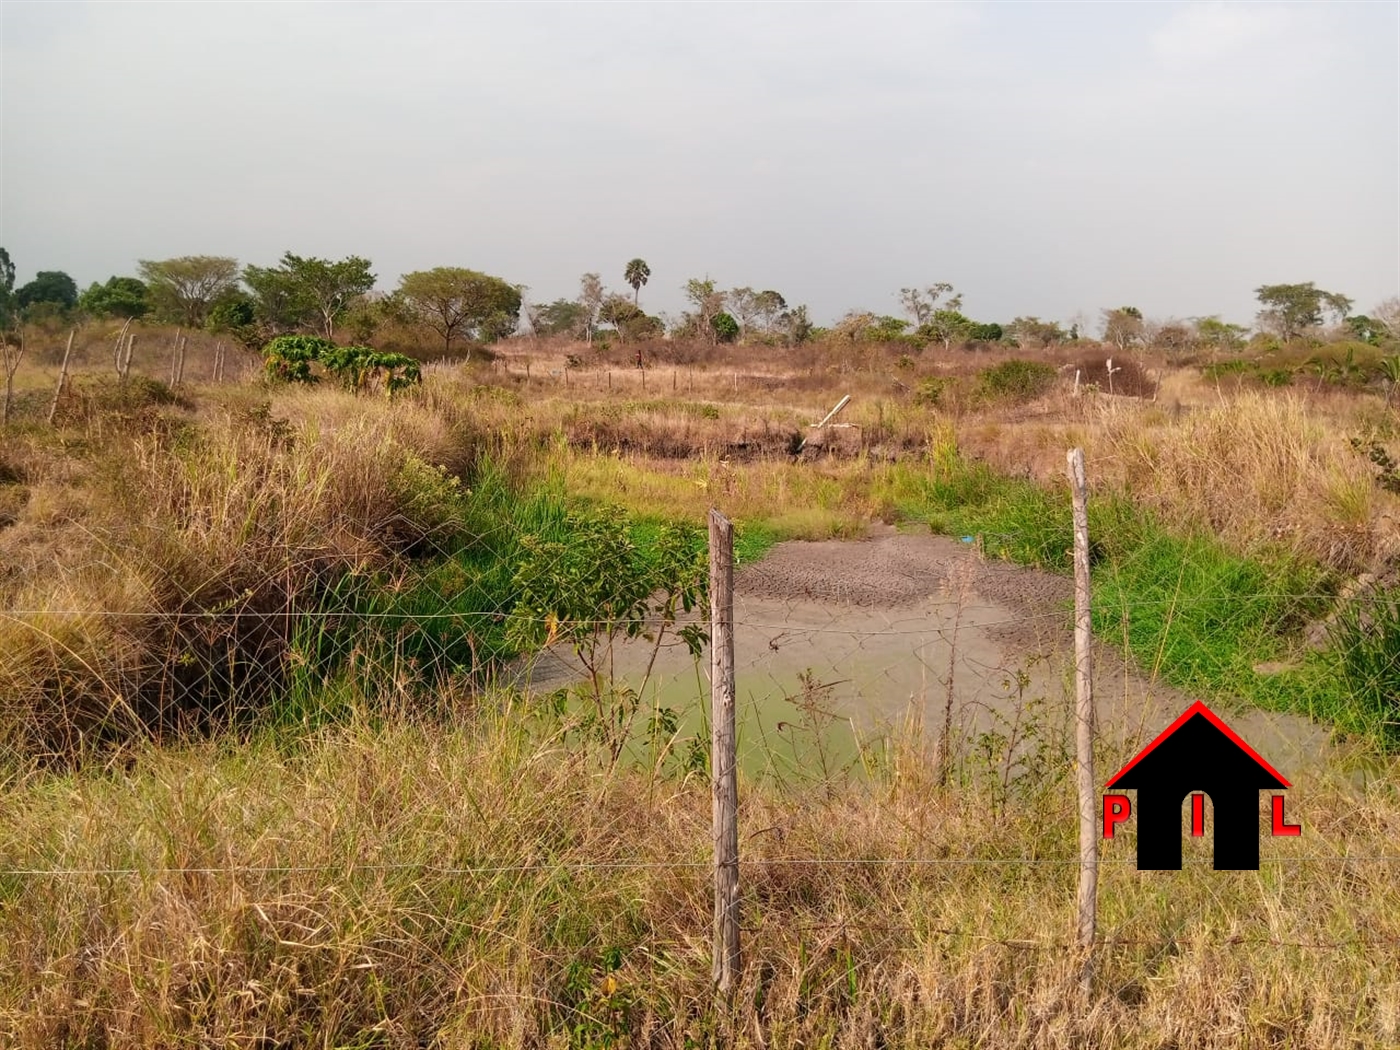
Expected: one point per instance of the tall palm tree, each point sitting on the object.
(636, 274)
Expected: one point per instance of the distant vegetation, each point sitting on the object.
(439, 310)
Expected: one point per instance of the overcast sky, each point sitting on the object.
(1046, 159)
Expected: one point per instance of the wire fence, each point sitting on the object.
(905, 692)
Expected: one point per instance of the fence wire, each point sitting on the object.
(896, 697)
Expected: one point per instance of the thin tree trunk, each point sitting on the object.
(117, 350)
(62, 375)
(13, 356)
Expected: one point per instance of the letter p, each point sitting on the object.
(1116, 809)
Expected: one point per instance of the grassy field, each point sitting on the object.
(261, 785)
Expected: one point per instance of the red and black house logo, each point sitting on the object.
(1197, 755)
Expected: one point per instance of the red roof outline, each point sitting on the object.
(1213, 719)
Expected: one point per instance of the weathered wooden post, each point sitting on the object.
(1084, 722)
(62, 375)
(724, 782)
(126, 361)
(174, 357)
(184, 344)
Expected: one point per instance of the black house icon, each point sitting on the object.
(1198, 752)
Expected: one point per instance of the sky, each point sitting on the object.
(1046, 159)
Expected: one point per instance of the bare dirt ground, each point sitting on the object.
(902, 627)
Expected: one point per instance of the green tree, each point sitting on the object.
(636, 273)
(1220, 333)
(620, 312)
(183, 289)
(460, 304)
(726, 329)
(561, 317)
(236, 315)
(947, 325)
(49, 286)
(884, 329)
(118, 297)
(1289, 310)
(1366, 329)
(310, 292)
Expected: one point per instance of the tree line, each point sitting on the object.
(460, 306)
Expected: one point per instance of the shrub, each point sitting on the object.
(932, 391)
(289, 359)
(726, 328)
(1236, 366)
(1016, 380)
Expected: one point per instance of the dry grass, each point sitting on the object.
(112, 564)
(485, 886)
(482, 883)
(1257, 468)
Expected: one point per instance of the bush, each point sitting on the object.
(932, 391)
(289, 359)
(1016, 380)
(726, 328)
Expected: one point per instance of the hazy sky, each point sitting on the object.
(1045, 158)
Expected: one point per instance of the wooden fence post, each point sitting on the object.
(724, 783)
(184, 344)
(174, 357)
(1084, 722)
(62, 375)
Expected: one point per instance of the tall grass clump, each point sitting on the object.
(1365, 651)
(1258, 470)
(181, 564)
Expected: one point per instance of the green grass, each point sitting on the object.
(1188, 609)
(1017, 521)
